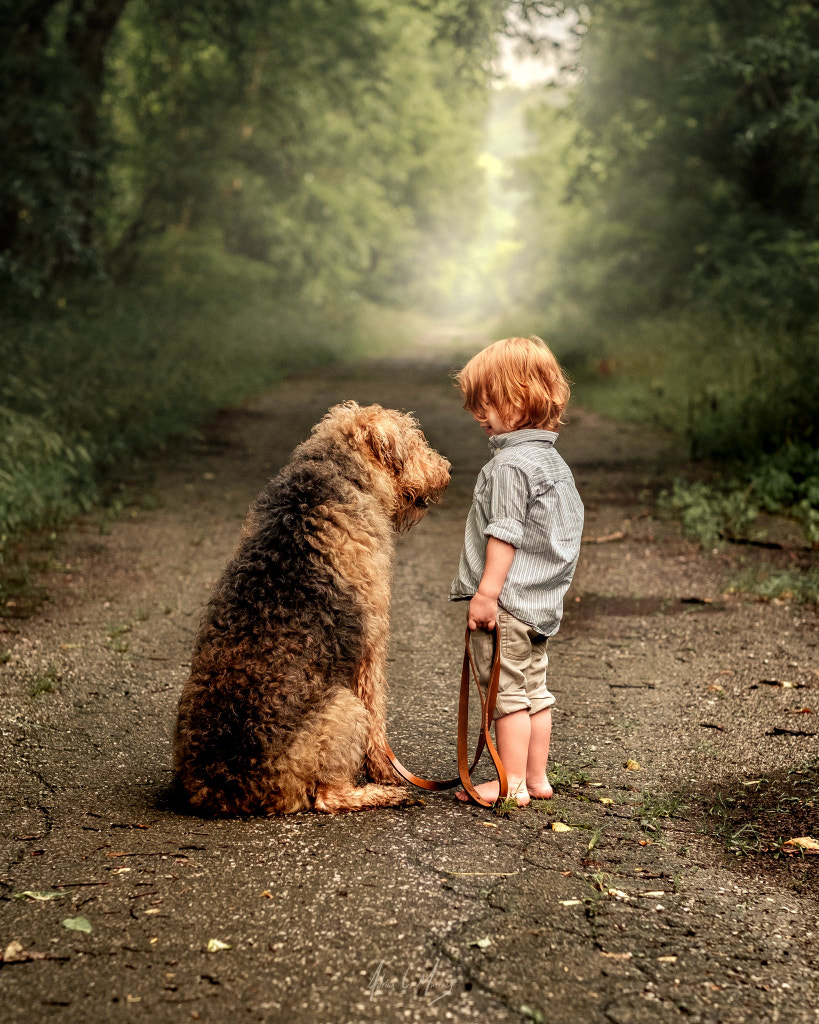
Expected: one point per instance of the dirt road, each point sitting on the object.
(684, 755)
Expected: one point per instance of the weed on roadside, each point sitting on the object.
(800, 585)
(561, 776)
(504, 808)
(757, 818)
(44, 683)
(786, 483)
(654, 808)
(20, 595)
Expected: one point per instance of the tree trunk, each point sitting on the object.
(91, 24)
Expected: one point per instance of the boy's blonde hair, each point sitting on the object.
(521, 379)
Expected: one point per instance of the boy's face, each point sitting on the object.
(491, 422)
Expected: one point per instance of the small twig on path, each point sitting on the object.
(619, 535)
(70, 885)
(482, 874)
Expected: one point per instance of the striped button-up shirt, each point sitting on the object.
(526, 496)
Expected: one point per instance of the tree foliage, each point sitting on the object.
(689, 160)
(334, 141)
(676, 178)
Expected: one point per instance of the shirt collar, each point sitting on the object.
(521, 437)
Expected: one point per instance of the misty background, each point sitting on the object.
(197, 199)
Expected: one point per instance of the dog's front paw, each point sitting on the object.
(381, 771)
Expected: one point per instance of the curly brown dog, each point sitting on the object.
(286, 700)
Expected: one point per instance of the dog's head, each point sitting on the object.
(392, 446)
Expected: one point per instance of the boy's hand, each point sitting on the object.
(483, 612)
(483, 608)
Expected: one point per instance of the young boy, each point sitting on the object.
(521, 546)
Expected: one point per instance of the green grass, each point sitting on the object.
(654, 808)
(113, 373)
(741, 395)
(562, 776)
(731, 389)
(44, 683)
(800, 585)
(786, 483)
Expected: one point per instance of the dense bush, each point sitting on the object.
(122, 371)
(671, 229)
(786, 483)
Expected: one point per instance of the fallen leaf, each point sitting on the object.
(618, 894)
(535, 1015)
(806, 843)
(15, 954)
(606, 800)
(570, 903)
(48, 894)
(560, 826)
(481, 943)
(632, 766)
(267, 895)
(216, 945)
(77, 924)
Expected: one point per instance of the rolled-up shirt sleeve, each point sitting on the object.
(508, 499)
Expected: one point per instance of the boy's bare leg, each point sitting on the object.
(537, 783)
(512, 735)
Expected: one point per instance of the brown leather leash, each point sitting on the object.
(465, 769)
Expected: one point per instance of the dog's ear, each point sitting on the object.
(381, 432)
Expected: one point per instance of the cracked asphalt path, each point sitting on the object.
(662, 899)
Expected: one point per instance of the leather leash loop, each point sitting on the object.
(487, 705)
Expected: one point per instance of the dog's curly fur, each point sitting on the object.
(285, 702)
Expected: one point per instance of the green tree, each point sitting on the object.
(332, 140)
(52, 75)
(693, 160)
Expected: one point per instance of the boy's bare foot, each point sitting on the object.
(540, 790)
(490, 791)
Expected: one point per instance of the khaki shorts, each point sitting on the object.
(524, 661)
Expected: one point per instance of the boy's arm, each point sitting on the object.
(483, 608)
